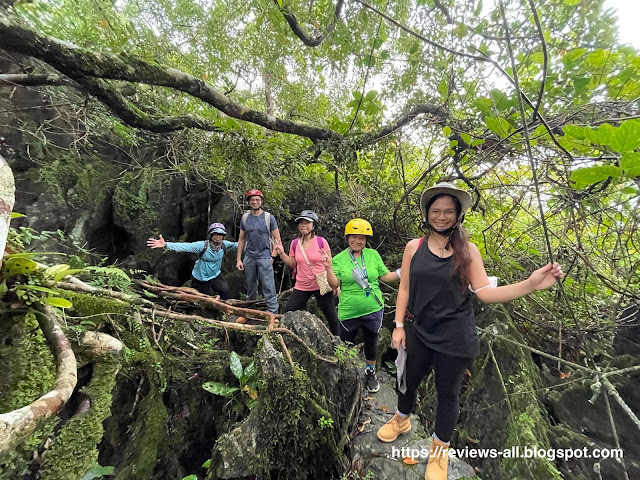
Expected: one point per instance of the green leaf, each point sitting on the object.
(446, 131)
(477, 141)
(499, 126)
(235, 364)
(16, 265)
(414, 48)
(630, 163)
(55, 269)
(601, 135)
(250, 370)
(16, 215)
(537, 57)
(58, 302)
(37, 288)
(466, 138)
(572, 3)
(191, 477)
(72, 271)
(453, 143)
(626, 137)
(443, 88)
(98, 471)
(460, 30)
(573, 130)
(219, 389)
(206, 464)
(3, 288)
(590, 175)
(500, 99)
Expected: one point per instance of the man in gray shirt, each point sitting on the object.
(256, 229)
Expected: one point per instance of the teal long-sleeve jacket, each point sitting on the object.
(208, 265)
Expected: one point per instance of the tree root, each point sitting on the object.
(17, 425)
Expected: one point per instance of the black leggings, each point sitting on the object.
(449, 372)
(218, 284)
(370, 341)
(299, 298)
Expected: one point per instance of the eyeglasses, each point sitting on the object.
(447, 213)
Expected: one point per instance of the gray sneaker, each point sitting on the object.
(371, 381)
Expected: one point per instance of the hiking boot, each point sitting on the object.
(438, 463)
(371, 381)
(394, 427)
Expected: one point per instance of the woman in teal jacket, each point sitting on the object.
(206, 276)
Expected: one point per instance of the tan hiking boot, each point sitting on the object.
(438, 461)
(394, 427)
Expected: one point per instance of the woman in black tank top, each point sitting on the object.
(440, 272)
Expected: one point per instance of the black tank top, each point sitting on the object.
(443, 312)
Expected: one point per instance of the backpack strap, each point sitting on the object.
(294, 245)
(206, 245)
(320, 242)
(420, 242)
(243, 220)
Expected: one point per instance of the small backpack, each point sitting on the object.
(294, 245)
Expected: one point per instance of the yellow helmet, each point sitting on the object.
(358, 226)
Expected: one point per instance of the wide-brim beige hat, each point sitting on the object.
(448, 188)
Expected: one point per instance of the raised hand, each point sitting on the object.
(153, 243)
(546, 276)
(326, 259)
(279, 249)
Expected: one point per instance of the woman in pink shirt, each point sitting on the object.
(318, 255)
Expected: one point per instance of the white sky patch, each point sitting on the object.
(628, 13)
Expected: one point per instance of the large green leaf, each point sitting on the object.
(37, 288)
(590, 175)
(499, 126)
(16, 265)
(58, 302)
(574, 131)
(236, 365)
(626, 137)
(98, 471)
(601, 135)
(219, 389)
(630, 163)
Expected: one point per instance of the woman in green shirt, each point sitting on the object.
(356, 270)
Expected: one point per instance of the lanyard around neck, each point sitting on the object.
(363, 268)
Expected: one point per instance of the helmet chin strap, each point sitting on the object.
(447, 232)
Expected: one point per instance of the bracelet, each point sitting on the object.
(399, 324)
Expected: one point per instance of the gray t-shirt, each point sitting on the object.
(257, 235)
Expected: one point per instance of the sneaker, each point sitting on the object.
(371, 381)
(394, 427)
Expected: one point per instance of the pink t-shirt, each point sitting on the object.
(305, 277)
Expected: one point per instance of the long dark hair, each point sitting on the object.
(458, 240)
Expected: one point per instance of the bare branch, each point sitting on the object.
(78, 64)
(310, 40)
(436, 110)
(31, 80)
